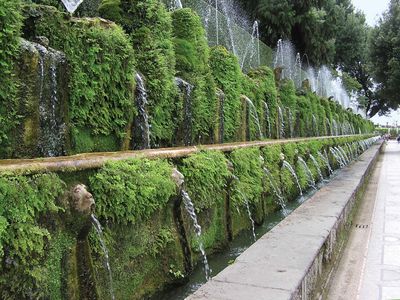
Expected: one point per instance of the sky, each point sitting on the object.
(373, 9)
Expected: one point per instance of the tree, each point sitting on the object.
(384, 54)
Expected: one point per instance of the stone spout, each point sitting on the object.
(178, 178)
(81, 200)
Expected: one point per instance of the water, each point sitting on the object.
(298, 69)
(97, 227)
(315, 125)
(221, 97)
(216, 21)
(254, 114)
(344, 154)
(186, 89)
(284, 58)
(335, 127)
(287, 166)
(290, 121)
(325, 159)
(247, 205)
(277, 192)
(281, 123)
(71, 5)
(337, 157)
(220, 261)
(142, 120)
(52, 129)
(253, 47)
(267, 118)
(228, 15)
(310, 178)
(197, 229)
(175, 4)
(315, 162)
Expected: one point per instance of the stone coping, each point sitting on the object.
(87, 161)
(288, 261)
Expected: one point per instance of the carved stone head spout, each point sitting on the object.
(82, 200)
(178, 178)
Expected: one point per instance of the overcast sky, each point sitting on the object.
(373, 9)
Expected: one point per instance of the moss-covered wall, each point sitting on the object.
(101, 59)
(147, 230)
(11, 23)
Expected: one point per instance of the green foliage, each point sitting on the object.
(131, 190)
(102, 69)
(10, 25)
(384, 56)
(205, 177)
(248, 169)
(227, 75)
(259, 85)
(24, 237)
(192, 65)
(149, 25)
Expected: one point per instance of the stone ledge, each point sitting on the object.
(290, 261)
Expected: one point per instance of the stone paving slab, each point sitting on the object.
(282, 263)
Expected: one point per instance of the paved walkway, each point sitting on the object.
(370, 266)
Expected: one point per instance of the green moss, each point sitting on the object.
(131, 190)
(248, 170)
(25, 237)
(11, 22)
(205, 177)
(149, 25)
(102, 69)
(227, 75)
(192, 64)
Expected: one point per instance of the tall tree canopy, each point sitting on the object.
(384, 54)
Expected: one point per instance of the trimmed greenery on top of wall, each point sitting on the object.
(131, 190)
(102, 73)
(149, 25)
(11, 23)
(226, 71)
(192, 64)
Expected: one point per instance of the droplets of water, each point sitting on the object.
(97, 227)
(317, 167)
(310, 178)
(286, 165)
(142, 120)
(247, 205)
(186, 89)
(275, 189)
(197, 229)
(254, 114)
(71, 5)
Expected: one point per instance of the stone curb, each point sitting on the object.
(293, 259)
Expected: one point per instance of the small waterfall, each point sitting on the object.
(51, 96)
(335, 127)
(298, 71)
(71, 5)
(276, 190)
(287, 166)
(290, 122)
(216, 22)
(254, 114)
(247, 205)
(221, 98)
(142, 120)
(186, 89)
(325, 159)
(315, 162)
(175, 4)
(315, 125)
(197, 229)
(328, 127)
(267, 119)
(344, 154)
(338, 157)
(311, 181)
(281, 123)
(97, 227)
